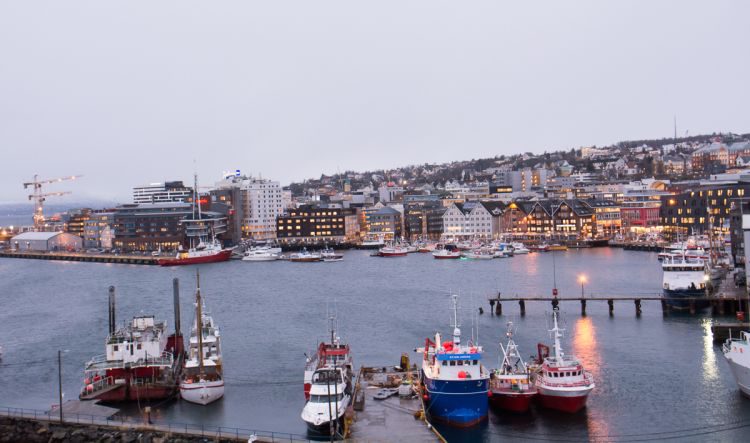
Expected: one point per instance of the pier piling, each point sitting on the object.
(492, 306)
(522, 305)
(611, 305)
(583, 308)
(664, 308)
(637, 307)
(555, 302)
(498, 308)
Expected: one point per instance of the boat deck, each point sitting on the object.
(392, 419)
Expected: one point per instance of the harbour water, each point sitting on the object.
(657, 378)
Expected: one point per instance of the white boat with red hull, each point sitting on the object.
(511, 387)
(561, 381)
(334, 353)
(142, 361)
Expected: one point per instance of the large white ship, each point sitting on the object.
(685, 282)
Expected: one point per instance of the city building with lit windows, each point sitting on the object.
(310, 224)
(694, 210)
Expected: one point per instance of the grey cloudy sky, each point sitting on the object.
(132, 92)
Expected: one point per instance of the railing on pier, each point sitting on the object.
(202, 430)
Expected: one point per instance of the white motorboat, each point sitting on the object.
(330, 395)
(260, 254)
(737, 353)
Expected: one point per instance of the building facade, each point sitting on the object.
(98, 230)
(318, 225)
(696, 210)
(174, 191)
(150, 226)
(259, 203)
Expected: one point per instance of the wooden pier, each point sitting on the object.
(82, 257)
(720, 305)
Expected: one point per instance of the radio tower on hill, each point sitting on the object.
(39, 196)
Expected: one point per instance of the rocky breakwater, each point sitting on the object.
(32, 430)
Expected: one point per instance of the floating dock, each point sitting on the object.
(82, 257)
(396, 418)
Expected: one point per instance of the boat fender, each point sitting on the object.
(461, 374)
(89, 388)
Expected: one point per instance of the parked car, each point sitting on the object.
(740, 279)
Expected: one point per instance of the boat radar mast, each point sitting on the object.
(456, 325)
(556, 334)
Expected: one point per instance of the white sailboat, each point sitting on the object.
(203, 381)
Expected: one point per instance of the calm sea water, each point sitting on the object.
(657, 378)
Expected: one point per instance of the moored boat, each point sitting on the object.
(737, 354)
(260, 254)
(202, 378)
(561, 381)
(511, 387)
(329, 255)
(330, 396)
(455, 382)
(393, 250)
(685, 282)
(304, 256)
(142, 362)
(446, 253)
(519, 249)
(334, 353)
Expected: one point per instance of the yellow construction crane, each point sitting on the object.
(39, 197)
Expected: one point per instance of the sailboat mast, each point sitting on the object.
(199, 321)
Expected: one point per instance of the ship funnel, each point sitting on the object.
(176, 291)
(112, 323)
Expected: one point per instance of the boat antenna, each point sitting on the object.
(554, 275)
(456, 330)
(198, 320)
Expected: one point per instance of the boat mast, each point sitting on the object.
(556, 332)
(456, 330)
(199, 321)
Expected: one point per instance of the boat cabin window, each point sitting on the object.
(326, 377)
(453, 363)
(116, 348)
(326, 398)
(139, 346)
(474, 362)
(445, 363)
(460, 362)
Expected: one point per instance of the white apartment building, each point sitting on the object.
(174, 191)
(261, 202)
(472, 219)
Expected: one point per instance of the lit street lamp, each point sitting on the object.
(582, 280)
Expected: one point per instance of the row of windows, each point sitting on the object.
(460, 362)
(563, 374)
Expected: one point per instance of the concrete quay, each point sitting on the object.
(83, 257)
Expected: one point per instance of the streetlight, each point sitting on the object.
(582, 280)
(59, 380)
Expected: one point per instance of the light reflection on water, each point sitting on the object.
(710, 370)
(585, 347)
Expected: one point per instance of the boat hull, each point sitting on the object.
(446, 257)
(393, 254)
(565, 401)
(460, 403)
(518, 402)
(202, 393)
(221, 256)
(741, 374)
(680, 299)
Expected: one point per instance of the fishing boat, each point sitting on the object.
(330, 396)
(543, 247)
(511, 387)
(561, 381)
(685, 282)
(372, 241)
(202, 379)
(445, 253)
(737, 353)
(304, 256)
(205, 248)
(142, 362)
(519, 249)
(329, 255)
(333, 353)
(456, 384)
(393, 250)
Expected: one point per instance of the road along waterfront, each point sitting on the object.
(656, 377)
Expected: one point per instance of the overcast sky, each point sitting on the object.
(131, 92)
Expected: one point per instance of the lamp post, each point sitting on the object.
(582, 280)
(59, 381)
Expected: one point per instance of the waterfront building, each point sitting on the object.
(574, 216)
(259, 204)
(473, 219)
(46, 242)
(150, 226)
(423, 217)
(98, 231)
(173, 191)
(226, 201)
(608, 217)
(318, 225)
(74, 221)
(694, 210)
(385, 222)
(639, 210)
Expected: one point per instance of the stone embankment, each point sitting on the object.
(30, 430)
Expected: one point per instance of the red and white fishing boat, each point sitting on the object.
(393, 250)
(333, 353)
(142, 362)
(201, 232)
(543, 247)
(562, 382)
(511, 387)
